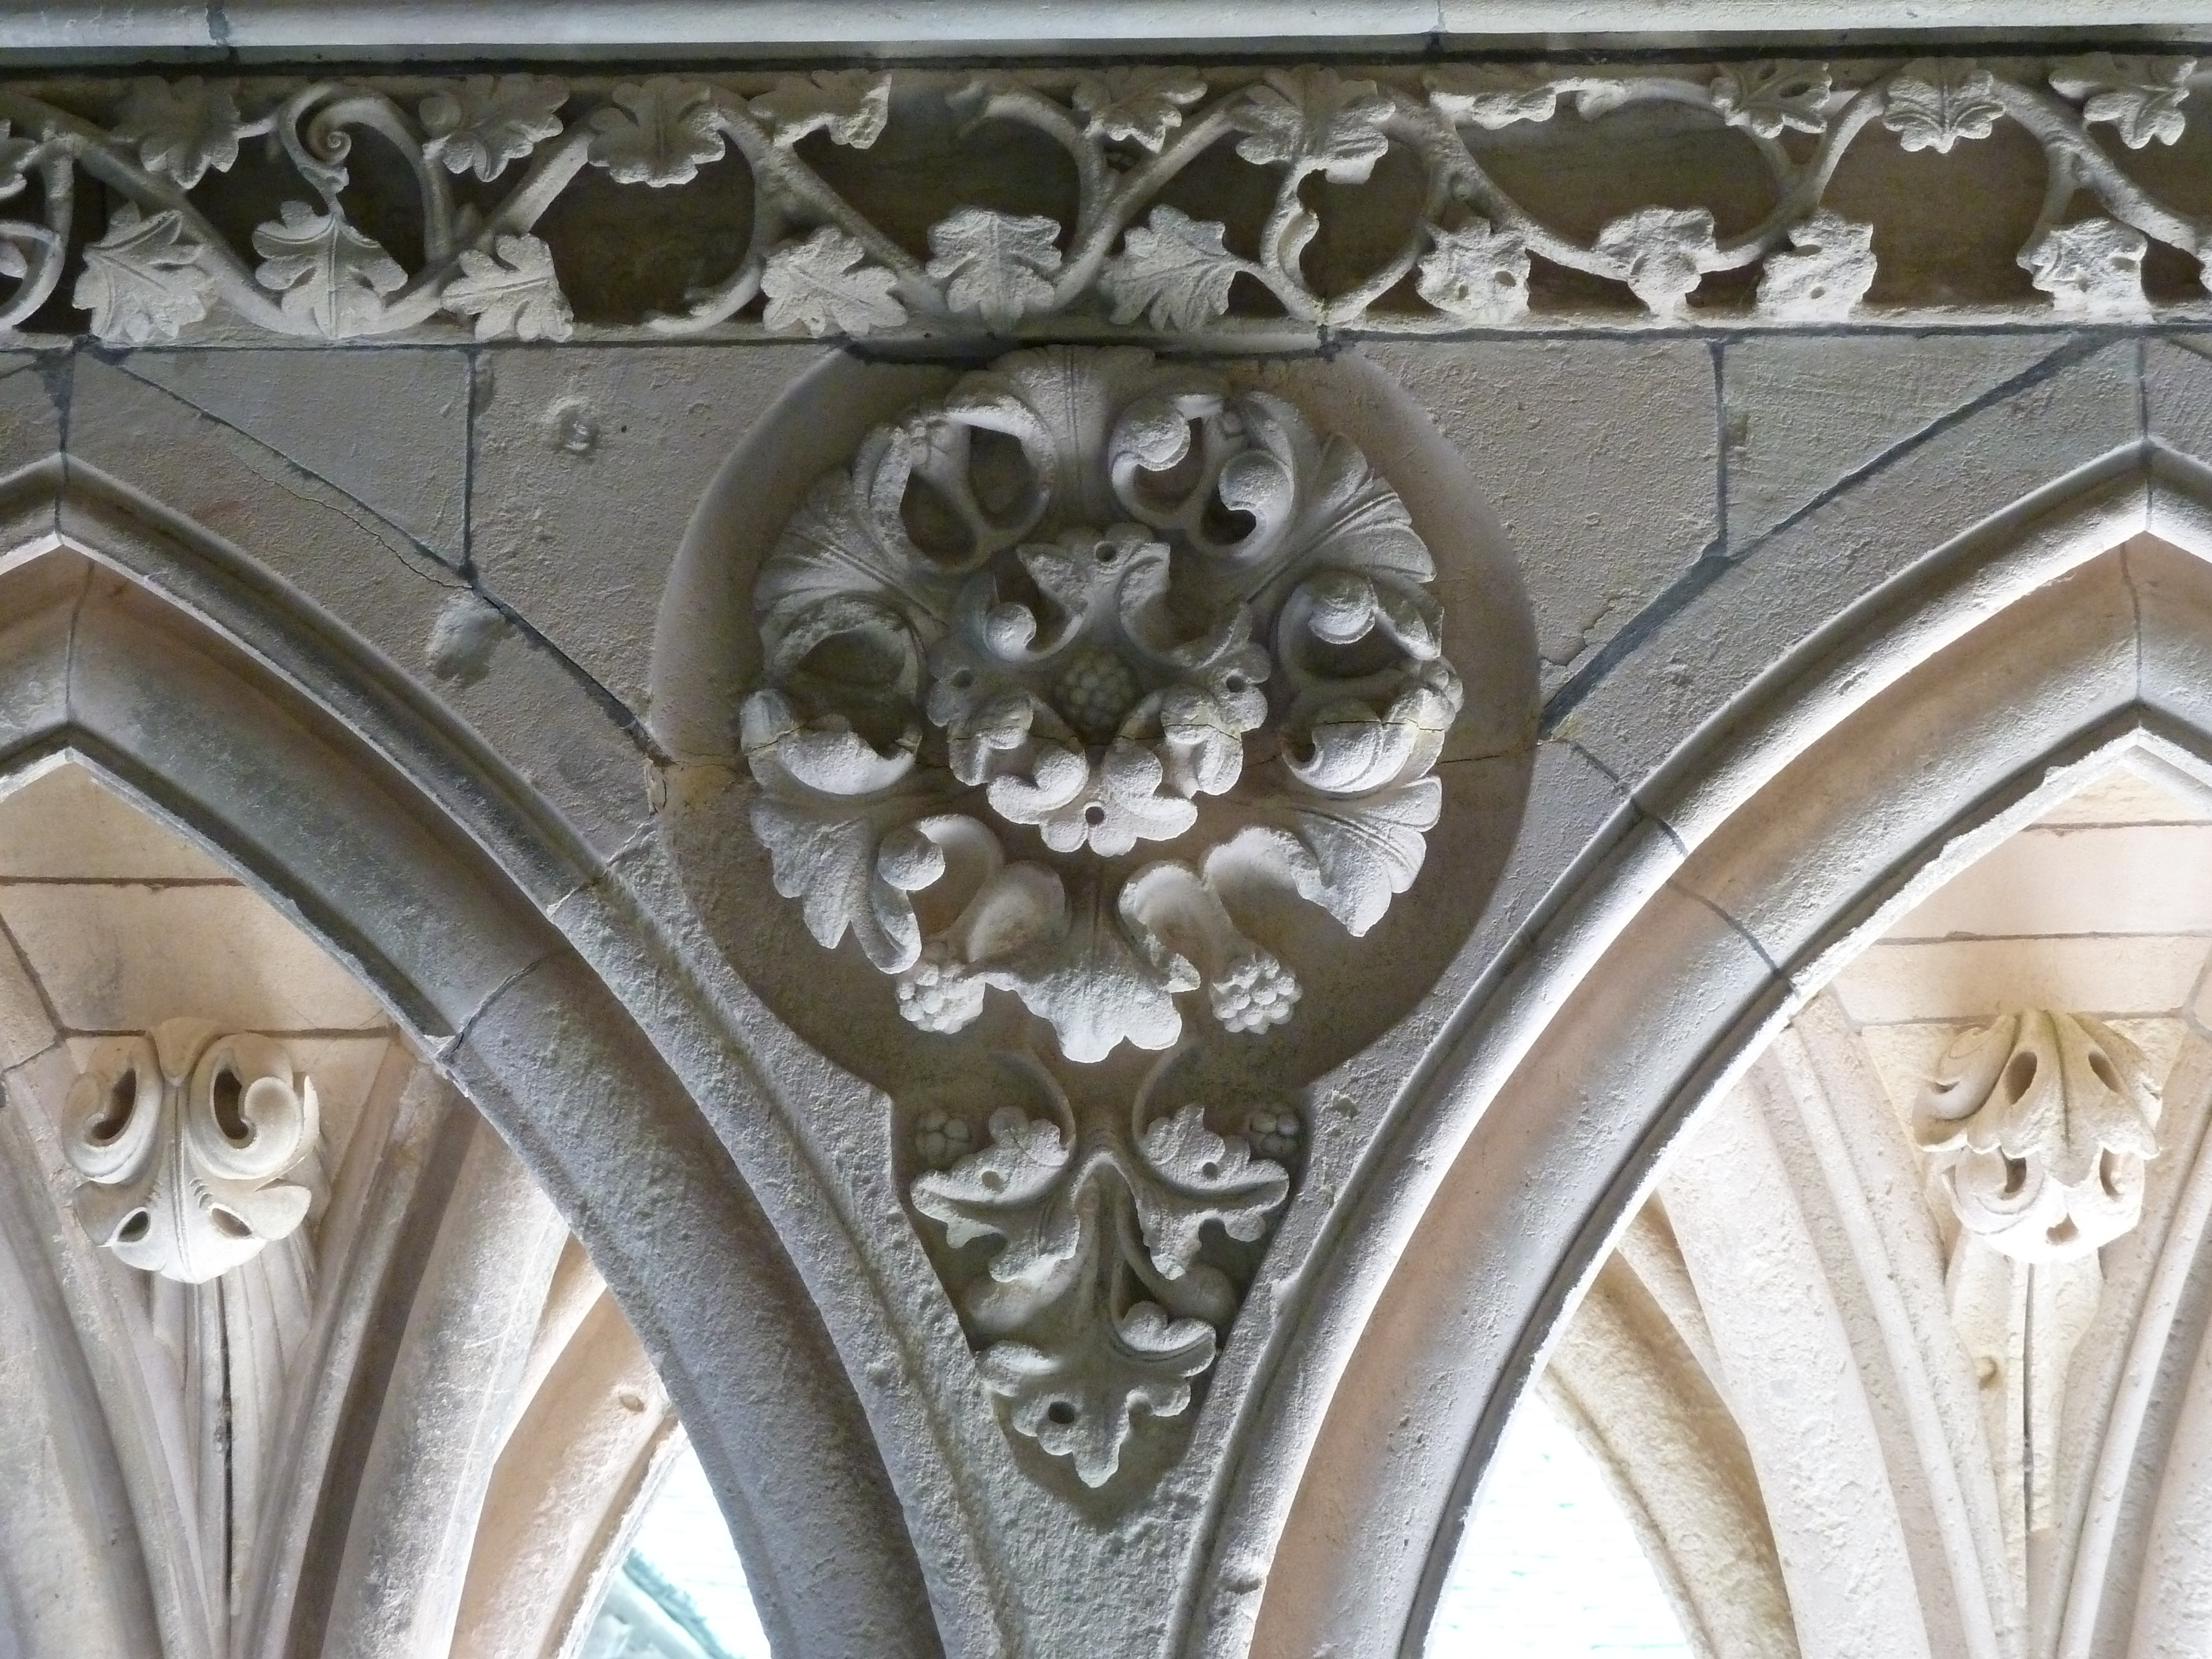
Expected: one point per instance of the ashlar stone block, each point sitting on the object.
(1714, 641)
(539, 712)
(1804, 413)
(589, 465)
(1599, 456)
(387, 426)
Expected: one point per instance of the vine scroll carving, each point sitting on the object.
(482, 161)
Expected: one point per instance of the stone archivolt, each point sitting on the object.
(833, 158)
(1087, 608)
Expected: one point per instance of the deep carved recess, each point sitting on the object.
(184, 1136)
(1066, 669)
(854, 221)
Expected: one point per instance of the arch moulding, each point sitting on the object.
(1912, 731)
(170, 665)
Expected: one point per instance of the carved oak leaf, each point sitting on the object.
(1824, 280)
(142, 281)
(1933, 103)
(662, 131)
(1771, 97)
(1313, 120)
(1475, 273)
(1662, 253)
(514, 295)
(1176, 268)
(1490, 98)
(1351, 857)
(851, 106)
(995, 265)
(2091, 269)
(327, 271)
(1187, 1176)
(1143, 103)
(485, 121)
(2141, 96)
(184, 128)
(825, 286)
(830, 859)
(1078, 1401)
(1017, 1190)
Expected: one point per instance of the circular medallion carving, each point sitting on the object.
(1088, 611)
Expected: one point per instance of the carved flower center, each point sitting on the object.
(1095, 690)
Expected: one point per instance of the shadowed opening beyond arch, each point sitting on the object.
(201, 689)
(1922, 725)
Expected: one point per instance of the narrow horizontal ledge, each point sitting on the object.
(100, 31)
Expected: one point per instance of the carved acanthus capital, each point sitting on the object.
(2039, 1126)
(183, 1136)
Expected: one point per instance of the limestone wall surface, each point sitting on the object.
(1095, 902)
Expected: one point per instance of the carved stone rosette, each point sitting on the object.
(182, 1136)
(2039, 1126)
(1062, 665)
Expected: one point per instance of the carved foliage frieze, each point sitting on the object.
(485, 159)
(184, 1137)
(1058, 671)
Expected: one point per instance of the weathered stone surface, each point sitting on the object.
(1600, 458)
(86, 833)
(1804, 414)
(389, 428)
(539, 712)
(25, 1027)
(2175, 370)
(1711, 640)
(560, 532)
(121, 950)
(440, 626)
(32, 389)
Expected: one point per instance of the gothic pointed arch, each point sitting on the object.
(1908, 731)
(172, 662)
